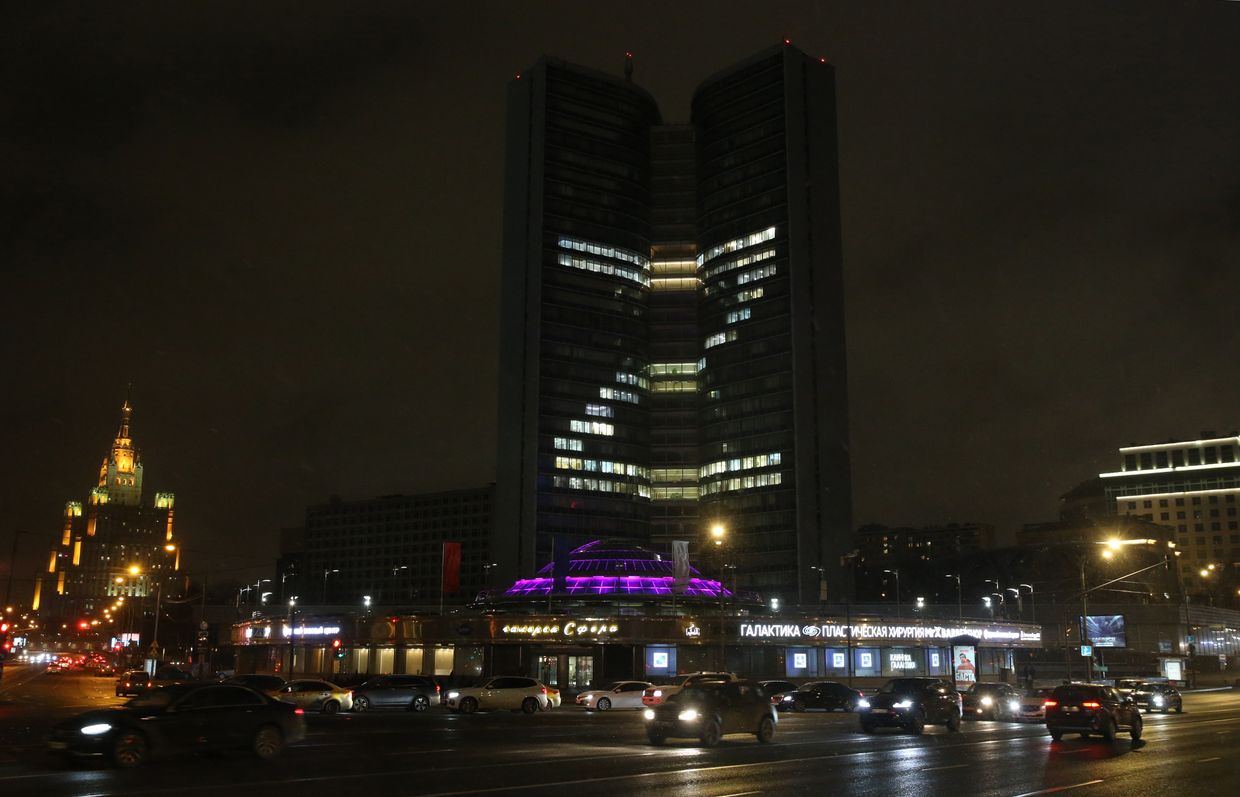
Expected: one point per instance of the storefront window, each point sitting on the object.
(360, 661)
(901, 662)
(549, 670)
(468, 660)
(936, 661)
(413, 661)
(443, 660)
(836, 661)
(660, 661)
(384, 657)
(801, 662)
(580, 672)
(867, 662)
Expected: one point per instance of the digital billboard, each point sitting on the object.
(1106, 630)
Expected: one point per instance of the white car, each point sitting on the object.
(512, 692)
(656, 695)
(1032, 704)
(622, 694)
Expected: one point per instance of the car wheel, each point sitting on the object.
(603, 704)
(361, 703)
(268, 742)
(331, 707)
(129, 749)
(766, 730)
(529, 705)
(655, 738)
(420, 703)
(469, 705)
(1137, 724)
(1108, 729)
(953, 723)
(1179, 707)
(867, 727)
(798, 705)
(1056, 735)
(711, 734)
(918, 723)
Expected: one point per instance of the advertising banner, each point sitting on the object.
(1106, 630)
(964, 664)
(680, 555)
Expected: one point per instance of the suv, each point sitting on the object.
(134, 682)
(1091, 708)
(514, 692)
(911, 704)
(706, 710)
(658, 694)
(991, 701)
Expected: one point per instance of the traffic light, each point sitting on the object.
(337, 648)
(6, 646)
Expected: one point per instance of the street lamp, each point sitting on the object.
(327, 573)
(959, 594)
(896, 573)
(1033, 606)
(822, 583)
(366, 602)
(717, 535)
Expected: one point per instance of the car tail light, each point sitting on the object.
(299, 711)
(1050, 703)
(1091, 704)
(436, 688)
(543, 690)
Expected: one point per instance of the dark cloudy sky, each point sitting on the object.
(281, 222)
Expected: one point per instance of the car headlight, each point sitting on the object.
(903, 704)
(688, 715)
(453, 695)
(648, 713)
(96, 729)
(863, 703)
(1014, 705)
(787, 698)
(1158, 701)
(658, 693)
(987, 701)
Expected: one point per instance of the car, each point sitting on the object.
(181, 718)
(708, 710)
(134, 682)
(312, 695)
(412, 692)
(1158, 697)
(655, 695)
(267, 684)
(775, 689)
(621, 694)
(514, 692)
(826, 695)
(553, 699)
(1125, 686)
(1031, 704)
(1090, 709)
(911, 704)
(991, 701)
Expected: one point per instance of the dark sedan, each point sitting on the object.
(911, 704)
(1158, 697)
(826, 695)
(133, 683)
(708, 710)
(412, 692)
(180, 719)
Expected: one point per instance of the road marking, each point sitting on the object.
(740, 794)
(949, 766)
(1204, 760)
(1060, 788)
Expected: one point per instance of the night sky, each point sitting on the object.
(280, 221)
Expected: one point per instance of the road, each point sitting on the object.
(568, 751)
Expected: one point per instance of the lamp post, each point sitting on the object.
(396, 569)
(1033, 606)
(959, 595)
(326, 573)
(1020, 607)
(822, 584)
(717, 535)
(896, 572)
(292, 635)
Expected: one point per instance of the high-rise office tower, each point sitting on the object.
(672, 353)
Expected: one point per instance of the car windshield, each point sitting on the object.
(983, 688)
(156, 698)
(696, 691)
(900, 686)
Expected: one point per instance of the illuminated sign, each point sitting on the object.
(800, 661)
(571, 628)
(870, 631)
(308, 630)
(964, 667)
(867, 659)
(692, 631)
(839, 661)
(658, 659)
(901, 661)
(934, 659)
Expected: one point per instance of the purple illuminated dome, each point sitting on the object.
(618, 569)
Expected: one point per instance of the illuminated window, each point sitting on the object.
(599, 410)
(740, 463)
(675, 386)
(756, 274)
(738, 262)
(603, 250)
(619, 395)
(627, 378)
(750, 295)
(720, 338)
(743, 483)
(753, 239)
(592, 427)
(602, 267)
(568, 443)
(738, 315)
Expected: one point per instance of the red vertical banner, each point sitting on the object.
(451, 568)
